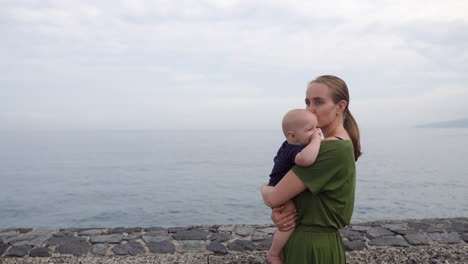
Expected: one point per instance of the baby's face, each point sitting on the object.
(304, 131)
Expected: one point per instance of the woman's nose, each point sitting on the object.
(311, 109)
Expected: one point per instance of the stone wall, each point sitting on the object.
(398, 241)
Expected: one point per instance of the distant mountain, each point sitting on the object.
(460, 123)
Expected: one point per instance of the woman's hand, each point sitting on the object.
(284, 219)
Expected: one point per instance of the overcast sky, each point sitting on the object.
(209, 64)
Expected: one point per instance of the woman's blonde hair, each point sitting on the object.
(339, 91)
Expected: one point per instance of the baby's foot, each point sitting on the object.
(273, 259)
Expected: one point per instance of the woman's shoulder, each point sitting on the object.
(334, 147)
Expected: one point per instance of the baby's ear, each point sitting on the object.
(291, 136)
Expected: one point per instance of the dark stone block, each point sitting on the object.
(3, 248)
(354, 245)
(77, 249)
(18, 251)
(375, 232)
(56, 241)
(352, 235)
(220, 237)
(154, 228)
(458, 227)
(265, 244)
(446, 238)
(419, 226)
(464, 237)
(191, 235)
(40, 252)
(120, 230)
(433, 229)
(241, 245)
(176, 229)
(161, 247)
(416, 239)
(130, 248)
(24, 230)
(63, 233)
(394, 241)
(406, 231)
(217, 248)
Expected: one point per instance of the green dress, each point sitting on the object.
(326, 206)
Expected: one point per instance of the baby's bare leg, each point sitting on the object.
(280, 239)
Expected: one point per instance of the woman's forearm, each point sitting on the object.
(285, 190)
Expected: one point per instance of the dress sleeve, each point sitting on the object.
(325, 167)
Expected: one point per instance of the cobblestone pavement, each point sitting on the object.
(443, 240)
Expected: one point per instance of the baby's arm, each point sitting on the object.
(308, 154)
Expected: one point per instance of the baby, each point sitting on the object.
(301, 147)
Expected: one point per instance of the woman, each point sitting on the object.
(324, 192)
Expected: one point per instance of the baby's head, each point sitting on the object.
(298, 126)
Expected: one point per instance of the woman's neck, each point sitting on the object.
(334, 129)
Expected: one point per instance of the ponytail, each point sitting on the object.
(353, 131)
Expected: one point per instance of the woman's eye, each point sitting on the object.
(307, 102)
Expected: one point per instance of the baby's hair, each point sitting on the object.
(292, 120)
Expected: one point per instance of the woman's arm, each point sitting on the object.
(285, 190)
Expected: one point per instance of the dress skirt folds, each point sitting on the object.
(324, 247)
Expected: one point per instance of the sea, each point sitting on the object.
(147, 178)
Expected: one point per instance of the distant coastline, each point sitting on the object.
(459, 123)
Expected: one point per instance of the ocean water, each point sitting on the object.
(59, 179)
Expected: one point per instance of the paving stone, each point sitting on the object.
(77, 249)
(227, 229)
(220, 237)
(375, 232)
(62, 233)
(161, 247)
(244, 230)
(99, 249)
(24, 230)
(3, 248)
(134, 236)
(217, 248)
(361, 228)
(132, 247)
(464, 237)
(18, 251)
(405, 232)
(191, 235)
(162, 232)
(265, 244)
(154, 228)
(446, 238)
(92, 232)
(155, 239)
(393, 227)
(176, 229)
(57, 241)
(416, 239)
(354, 245)
(241, 245)
(458, 227)
(419, 225)
(8, 234)
(269, 230)
(434, 229)
(191, 246)
(40, 252)
(120, 230)
(259, 236)
(352, 235)
(36, 242)
(394, 241)
(112, 239)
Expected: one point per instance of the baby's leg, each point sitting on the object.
(280, 239)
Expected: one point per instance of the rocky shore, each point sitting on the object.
(397, 241)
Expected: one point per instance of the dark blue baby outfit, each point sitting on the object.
(284, 161)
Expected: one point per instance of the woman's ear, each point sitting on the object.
(342, 106)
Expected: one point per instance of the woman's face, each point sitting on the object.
(318, 101)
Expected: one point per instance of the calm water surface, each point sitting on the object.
(167, 178)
